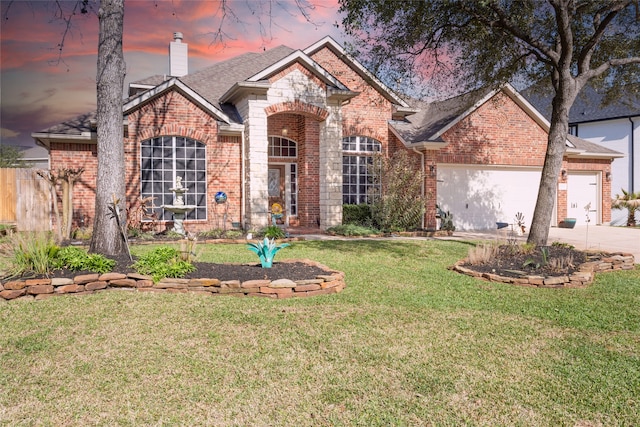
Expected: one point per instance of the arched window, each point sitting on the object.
(358, 177)
(165, 158)
(282, 147)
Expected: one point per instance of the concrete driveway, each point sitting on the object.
(598, 237)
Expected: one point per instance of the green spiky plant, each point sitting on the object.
(266, 250)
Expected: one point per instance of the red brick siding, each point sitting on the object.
(498, 133)
(171, 115)
(75, 156)
(368, 113)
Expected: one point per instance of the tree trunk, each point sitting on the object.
(110, 182)
(556, 146)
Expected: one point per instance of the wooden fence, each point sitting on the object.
(25, 200)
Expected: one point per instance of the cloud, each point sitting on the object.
(42, 86)
(8, 133)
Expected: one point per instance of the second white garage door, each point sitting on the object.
(478, 197)
(582, 197)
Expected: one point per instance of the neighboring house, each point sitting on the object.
(300, 127)
(615, 125)
(35, 156)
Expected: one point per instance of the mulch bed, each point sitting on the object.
(510, 263)
(242, 272)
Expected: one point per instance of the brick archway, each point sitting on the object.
(298, 107)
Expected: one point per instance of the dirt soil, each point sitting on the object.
(279, 270)
(509, 262)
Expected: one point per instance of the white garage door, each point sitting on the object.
(478, 197)
(582, 197)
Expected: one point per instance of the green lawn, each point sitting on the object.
(408, 342)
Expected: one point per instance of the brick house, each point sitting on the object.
(298, 127)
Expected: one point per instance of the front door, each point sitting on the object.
(277, 193)
(582, 198)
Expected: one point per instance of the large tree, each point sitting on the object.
(110, 185)
(566, 43)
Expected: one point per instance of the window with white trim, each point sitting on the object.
(165, 158)
(282, 147)
(358, 178)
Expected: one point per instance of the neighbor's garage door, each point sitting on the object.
(582, 191)
(478, 197)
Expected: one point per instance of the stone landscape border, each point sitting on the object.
(581, 278)
(38, 289)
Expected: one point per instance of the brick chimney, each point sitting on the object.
(178, 56)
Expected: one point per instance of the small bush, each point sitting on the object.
(163, 262)
(357, 215)
(82, 233)
(219, 233)
(214, 233)
(482, 253)
(562, 263)
(273, 232)
(562, 245)
(352, 230)
(77, 259)
(527, 248)
(30, 253)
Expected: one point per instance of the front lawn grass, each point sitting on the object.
(408, 342)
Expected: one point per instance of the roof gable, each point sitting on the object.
(329, 43)
(425, 128)
(175, 84)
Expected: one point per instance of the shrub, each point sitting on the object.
(82, 233)
(352, 230)
(400, 205)
(214, 233)
(357, 215)
(273, 232)
(162, 262)
(482, 253)
(30, 253)
(219, 233)
(76, 259)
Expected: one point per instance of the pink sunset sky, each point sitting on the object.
(37, 90)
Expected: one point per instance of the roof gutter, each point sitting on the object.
(582, 154)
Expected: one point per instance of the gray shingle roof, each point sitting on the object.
(589, 106)
(434, 116)
(214, 81)
(74, 126)
(590, 147)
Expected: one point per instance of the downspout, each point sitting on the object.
(423, 178)
(631, 156)
(243, 190)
